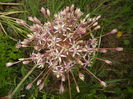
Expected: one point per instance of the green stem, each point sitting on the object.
(69, 86)
(21, 82)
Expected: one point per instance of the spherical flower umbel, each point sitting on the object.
(64, 49)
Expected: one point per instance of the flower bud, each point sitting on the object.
(36, 47)
(63, 78)
(41, 86)
(103, 83)
(35, 28)
(81, 76)
(77, 88)
(102, 50)
(97, 27)
(81, 30)
(93, 19)
(24, 46)
(48, 12)
(96, 23)
(23, 95)
(31, 19)
(57, 75)
(26, 62)
(29, 86)
(83, 25)
(72, 7)
(98, 17)
(119, 49)
(30, 36)
(21, 22)
(78, 13)
(37, 21)
(113, 31)
(89, 20)
(25, 42)
(63, 13)
(43, 11)
(9, 64)
(107, 61)
(67, 9)
(18, 45)
(38, 82)
(21, 59)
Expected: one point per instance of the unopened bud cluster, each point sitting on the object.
(62, 41)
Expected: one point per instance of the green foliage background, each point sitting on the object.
(119, 76)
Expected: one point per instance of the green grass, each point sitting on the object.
(8, 76)
(6, 1)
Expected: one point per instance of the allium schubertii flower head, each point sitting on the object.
(59, 47)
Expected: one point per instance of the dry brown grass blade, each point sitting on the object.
(1, 3)
(13, 12)
(2, 28)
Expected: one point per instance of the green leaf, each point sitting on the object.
(126, 42)
(52, 97)
(44, 96)
(23, 70)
